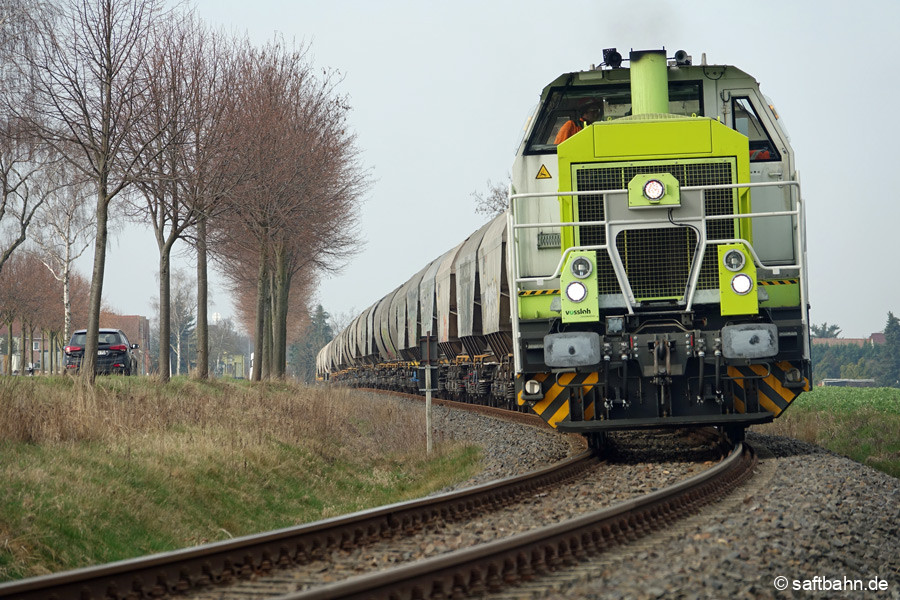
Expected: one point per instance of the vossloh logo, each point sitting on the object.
(579, 312)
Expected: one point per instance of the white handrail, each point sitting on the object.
(799, 252)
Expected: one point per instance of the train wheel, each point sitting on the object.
(597, 441)
(734, 433)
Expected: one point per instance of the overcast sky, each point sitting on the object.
(440, 93)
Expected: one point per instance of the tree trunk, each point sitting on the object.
(9, 346)
(88, 363)
(279, 316)
(267, 339)
(178, 337)
(67, 302)
(165, 322)
(261, 302)
(44, 366)
(202, 302)
(22, 350)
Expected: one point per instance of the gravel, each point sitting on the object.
(829, 525)
(826, 524)
(821, 521)
(508, 448)
(641, 463)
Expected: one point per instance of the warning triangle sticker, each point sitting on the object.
(543, 173)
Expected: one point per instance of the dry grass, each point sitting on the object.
(133, 467)
(62, 410)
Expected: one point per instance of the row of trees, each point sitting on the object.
(880, 362)
(242, 151)
(30, 296)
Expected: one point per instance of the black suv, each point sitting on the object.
(114, 353)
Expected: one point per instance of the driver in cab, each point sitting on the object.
(589, 110)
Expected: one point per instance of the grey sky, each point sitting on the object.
(440, 93)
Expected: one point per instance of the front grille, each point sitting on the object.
(657, 261)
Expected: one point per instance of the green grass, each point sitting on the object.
(135, 467)
(860, 423)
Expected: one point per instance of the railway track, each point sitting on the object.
(476, 570)
(178, 572)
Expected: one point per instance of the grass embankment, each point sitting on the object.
(132, 467)
(861, 423)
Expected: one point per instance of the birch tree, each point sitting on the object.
(65, 229)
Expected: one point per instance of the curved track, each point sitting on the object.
(494, 566)
(196, 568)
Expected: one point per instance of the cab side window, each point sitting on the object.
(747, 121)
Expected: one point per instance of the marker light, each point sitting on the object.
(654, 190)
(581, 267)
(741, 284)
(532, 387)
(734, 260)
(576, 291)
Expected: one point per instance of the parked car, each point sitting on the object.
(115, 354)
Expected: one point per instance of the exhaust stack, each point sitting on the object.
(649, 82)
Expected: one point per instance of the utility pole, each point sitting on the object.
(429, 357)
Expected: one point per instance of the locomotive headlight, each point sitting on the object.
(741, 284)
(576, 291)
(654, 190)
(734, 260)
(581, 267)
(532, 387)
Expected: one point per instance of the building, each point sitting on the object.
(873, 340)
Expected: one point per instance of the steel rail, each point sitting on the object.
(494, 566)
(171, 573)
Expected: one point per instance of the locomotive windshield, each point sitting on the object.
(581, 104)
(747, 122)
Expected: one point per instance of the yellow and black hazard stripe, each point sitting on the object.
(538, 292)
(779, 282)
(554, 406)
(772, 394)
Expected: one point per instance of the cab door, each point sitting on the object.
(770, 160)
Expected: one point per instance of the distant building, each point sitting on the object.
(873, 340)
(877, 338)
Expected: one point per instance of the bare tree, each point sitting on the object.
(22, 156)
(296, 211)
(183, 315)
(190, 171)
(12, 300)
(494, 200)
(65, 229)
(40, 310)
(182, 320)
(168, 98)
(225, 341)
(90, 81)
(21, 161)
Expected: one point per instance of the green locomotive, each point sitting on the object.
(658, 256)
